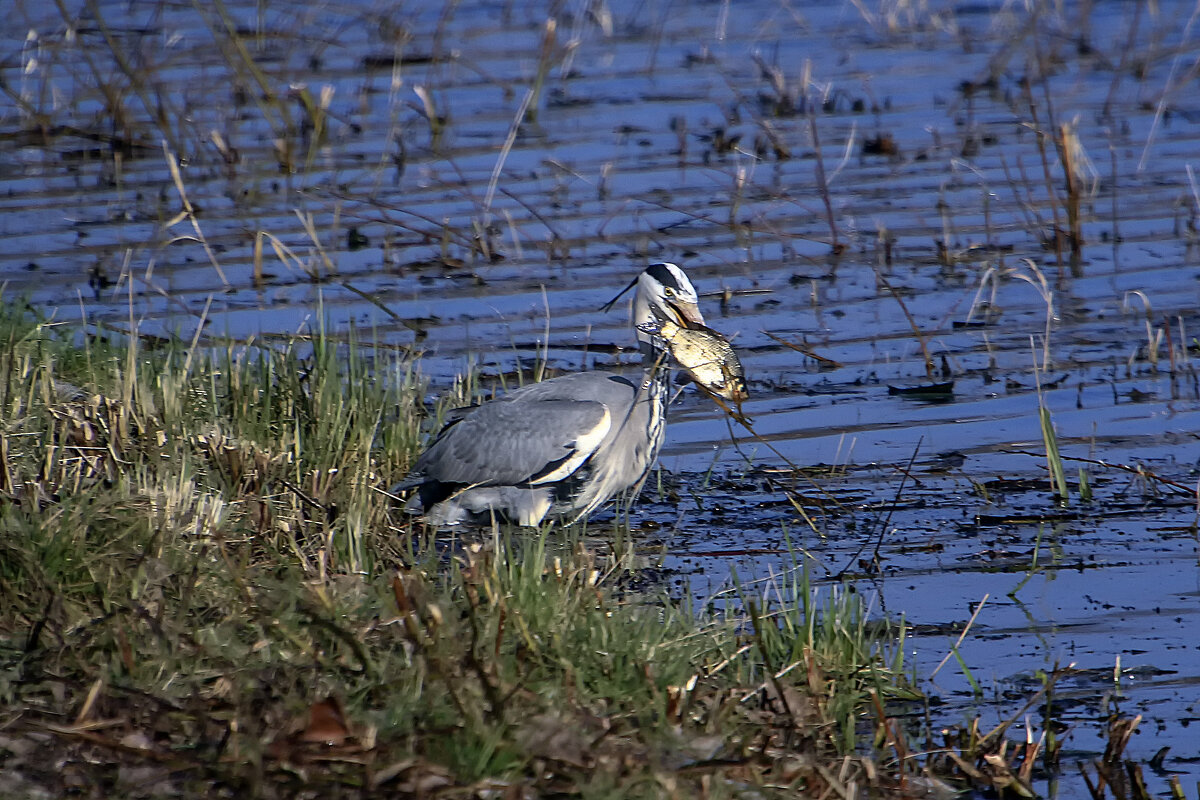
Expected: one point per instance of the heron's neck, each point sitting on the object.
(655, 388)
(651, 353)
(654, 358)
(658, 368)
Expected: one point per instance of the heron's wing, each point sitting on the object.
(512, 441)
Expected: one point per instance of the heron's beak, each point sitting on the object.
(687, 315)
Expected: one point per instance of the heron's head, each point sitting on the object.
(665, 293)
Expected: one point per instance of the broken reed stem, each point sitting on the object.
(822, 182)
(545, 58)
(808, 353)
(1040, 138)
(1187, 491)
(1165, 97)
(921, 340)
(1053, 459)
(522, 111)
(1054, 462)
(1113, 205)
(429, 105)
(189, 213)
(1067, 143)
(309, 224)
(966, 629)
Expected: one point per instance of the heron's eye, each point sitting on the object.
(668, 291)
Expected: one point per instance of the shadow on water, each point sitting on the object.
(873, 199)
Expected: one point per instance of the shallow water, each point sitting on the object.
(654, 139)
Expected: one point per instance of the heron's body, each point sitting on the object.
(543, 451)
(560, 448)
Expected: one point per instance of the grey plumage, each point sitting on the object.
(562, 447)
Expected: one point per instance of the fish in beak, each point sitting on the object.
(704, 353)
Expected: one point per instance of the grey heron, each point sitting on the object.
(562, 447)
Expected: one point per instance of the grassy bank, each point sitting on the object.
(206, 593)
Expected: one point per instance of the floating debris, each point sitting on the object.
(928, 391)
